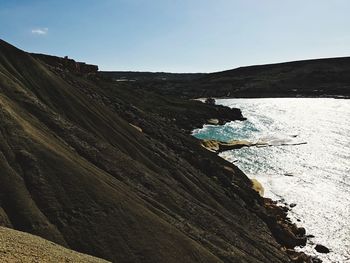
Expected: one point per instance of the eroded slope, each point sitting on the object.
(74, 171)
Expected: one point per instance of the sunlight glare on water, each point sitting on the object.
(315, 176)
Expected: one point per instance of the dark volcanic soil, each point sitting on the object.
(109, 169)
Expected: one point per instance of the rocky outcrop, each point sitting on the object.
(67, 64)
(321, 249)
(220, 146)
(287, 233)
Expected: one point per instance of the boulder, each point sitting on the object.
(213, 121)
(321, 249)
(220, 146)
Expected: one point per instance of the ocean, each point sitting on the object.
(306, 162)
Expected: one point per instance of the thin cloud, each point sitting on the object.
(40, 31)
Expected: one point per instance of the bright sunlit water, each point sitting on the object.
(315, 176)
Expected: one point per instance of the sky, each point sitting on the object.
(178, 35)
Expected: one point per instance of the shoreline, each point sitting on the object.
(312, 176)
(300, 96)
(135, 161)
(288, 234)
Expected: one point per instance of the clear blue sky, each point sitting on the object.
(178, 35)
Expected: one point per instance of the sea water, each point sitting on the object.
(306, 162)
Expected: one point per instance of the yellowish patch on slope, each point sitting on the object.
(16, 246)
(257, 186)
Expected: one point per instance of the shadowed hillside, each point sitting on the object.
(319, 77)
(110, 170)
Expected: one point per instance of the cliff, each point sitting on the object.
(109, 169)
(66, 64)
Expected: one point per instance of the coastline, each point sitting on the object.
(289, 235)
(309, 179)
(135, 161)
(280, 96)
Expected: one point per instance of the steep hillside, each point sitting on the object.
(319, 77)
(110, 170)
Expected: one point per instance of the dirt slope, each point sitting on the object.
(16, 246)
(74, 171)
